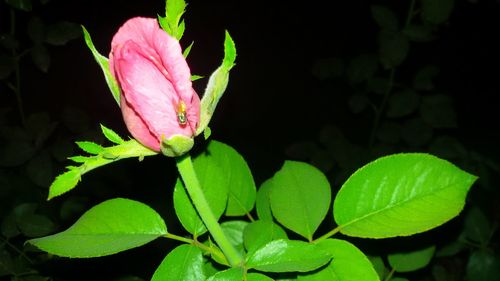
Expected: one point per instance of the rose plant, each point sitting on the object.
(147, 73)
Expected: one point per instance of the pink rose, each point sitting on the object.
(157, 98)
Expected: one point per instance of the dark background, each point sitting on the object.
(273, 99)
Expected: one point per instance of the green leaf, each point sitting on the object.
(400, 195)
(6, 263)
(64, 182)
(379, 266)
(40, 127)
(72, 208)
(76, 120)
(14, 153)
(288, 256)
(111, 135)
(90, 147)
(180, 30)
(234, 233)
(68, 180)
(403, 103)
(411, 261)
(185, 262)
(41, 57)
(258, 277)
(36, 30)
(242, 190)
(436, 12)
(416, 132)
(424, 77)
(103, 63)
(9, 227)
(450, 249)
(60, 33)
(362, 68)
(418, 32)
(438, 111)
(261, 232)
(23, 5)
(478, 227)
(113, 226)
(483, 266)
(34, 225)
(262, 204)
(384, 17)
(348, 264)
(300, 197)
(389, 132)
(39, 169)
(7, 65)
(214, 182)
(393, 48)
(217, 84)
(358, 103)
(231, 274)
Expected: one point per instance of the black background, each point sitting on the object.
(273, 98)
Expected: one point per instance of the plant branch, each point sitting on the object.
(389, 276)
(188, 174)
(17, 70)
(21, 253)
(381, 109)
(194, 242)
(327, 235)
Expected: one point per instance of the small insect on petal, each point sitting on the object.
(181, 113)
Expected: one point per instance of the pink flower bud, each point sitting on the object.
(157, 98)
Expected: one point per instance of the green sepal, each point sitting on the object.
(217, 84)
(104, 64)
(195, 77)
(172, 23)
(186, 51)
(177, 145)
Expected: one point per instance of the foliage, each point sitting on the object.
(289, 227)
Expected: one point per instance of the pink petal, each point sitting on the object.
(148, 91)
(154, 78)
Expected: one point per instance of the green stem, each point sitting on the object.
(17, 70)
(327, 235)
(389, 276)
(381, 109)
(410, 13)
(212, 251)
(179, 238)
(21, 253)
(188, 174)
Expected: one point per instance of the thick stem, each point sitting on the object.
(188, 174)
